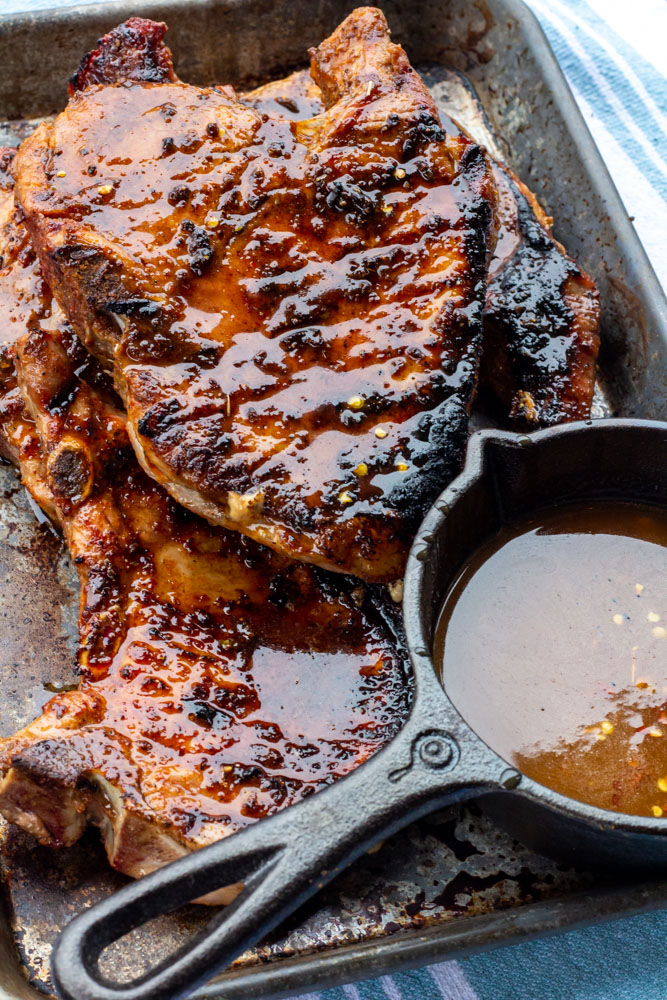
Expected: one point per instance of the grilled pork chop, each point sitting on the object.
(292, 311)
(542, 313)
(25, 304)
(14, 246)
(219, 682)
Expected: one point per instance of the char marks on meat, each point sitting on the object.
(292, 310)
(288, 290)
(542, 311)
(219, 682)
(132, 51)
(541, 319)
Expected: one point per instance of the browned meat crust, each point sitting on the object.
(132, 51)
(293, 312)
(23, 302)
(11, 243)
(541, 320)
(294, 97)
(218, 682)
(192, 637)
(26, 304)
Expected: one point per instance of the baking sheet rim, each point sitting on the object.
(457, 937)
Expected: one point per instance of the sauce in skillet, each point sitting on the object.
(553, 645)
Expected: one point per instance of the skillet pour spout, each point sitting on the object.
(435, 759)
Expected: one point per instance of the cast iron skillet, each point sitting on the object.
(435, 759)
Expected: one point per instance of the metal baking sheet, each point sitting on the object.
(453, 882)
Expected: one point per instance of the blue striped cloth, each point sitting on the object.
(614, 56)
(624, 960)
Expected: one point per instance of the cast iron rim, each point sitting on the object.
(474, 469)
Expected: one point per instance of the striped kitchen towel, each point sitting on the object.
(624, 960)
(614, 55)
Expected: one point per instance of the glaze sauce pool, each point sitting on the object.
(552, 644)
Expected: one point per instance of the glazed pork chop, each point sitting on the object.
(292, 310)
(542, 311)
(135, 50)
(26, 304)
(19, 275)
(219, 682)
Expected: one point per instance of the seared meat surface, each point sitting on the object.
(294, 97)
(133, 51)
(542, 312)
(24, 300)
(26, 304)
(287, 289)
(218, 681)
(292, 310)
(14, 320)
(541, 319)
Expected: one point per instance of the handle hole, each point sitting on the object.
(143, 949)
(148, 936)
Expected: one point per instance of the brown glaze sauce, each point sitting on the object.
(553, 646)
(293, 307)
(219, 683)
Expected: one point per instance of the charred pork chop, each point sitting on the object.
(541, 319)
(219, 683)
(14, 318)
(292, 310)
(26, 304)
(133, 51)
(542, 313)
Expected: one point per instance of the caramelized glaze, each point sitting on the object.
(542, 311)
(133, 51)
(25, 302)
(186, 234)
(219, 681)
(284, 303)
(21, 302)
(294, 97)
(553, 646)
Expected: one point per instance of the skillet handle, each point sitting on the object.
(282, 861)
